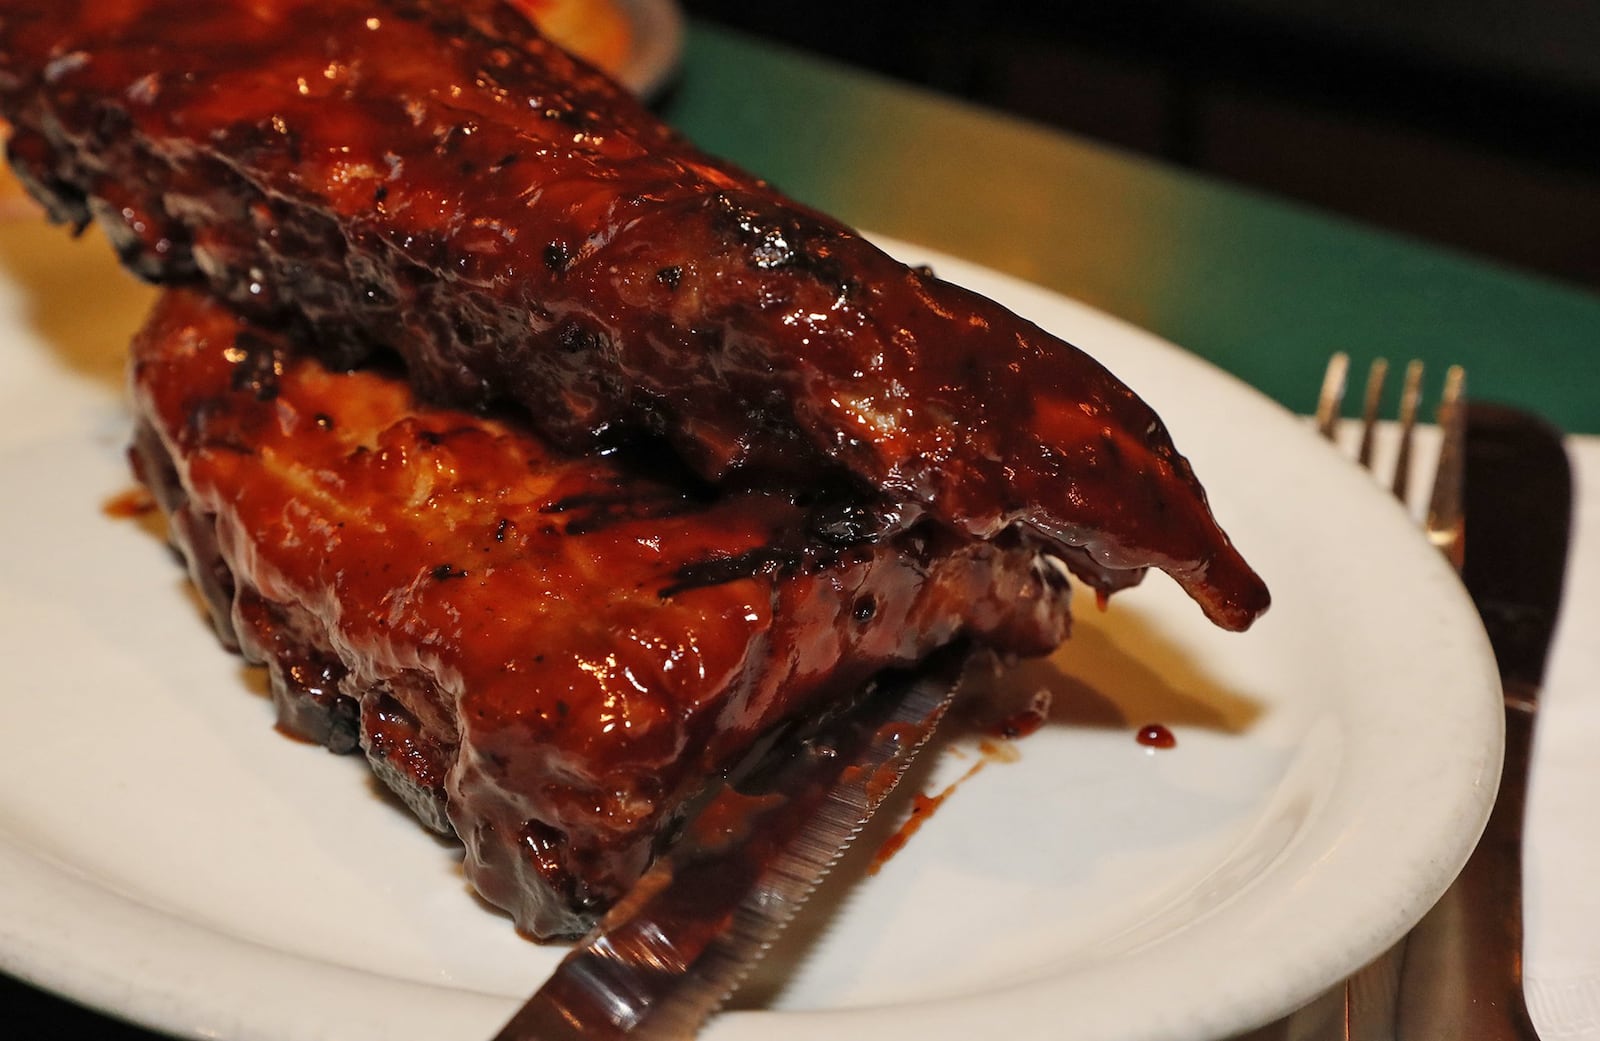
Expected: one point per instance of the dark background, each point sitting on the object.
(1471, 123)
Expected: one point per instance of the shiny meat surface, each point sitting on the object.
(547, 654)
(432, 175)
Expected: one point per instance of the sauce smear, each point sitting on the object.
(135, 502)
(922, 808)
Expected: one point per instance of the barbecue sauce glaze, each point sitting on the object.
(543, 653)
(432, 177)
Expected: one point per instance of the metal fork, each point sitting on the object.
(1442, 521)
(1369, 1003)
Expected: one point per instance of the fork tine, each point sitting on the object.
(1410, 398)
(1331, 396)
(1376, 375)
(1444, 523)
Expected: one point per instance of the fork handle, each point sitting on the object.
(1462, 974)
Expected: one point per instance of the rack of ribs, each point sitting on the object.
(546, 460)
(546, 654)
(433, 178)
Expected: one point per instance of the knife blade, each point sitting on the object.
(670, 953)
(1461, 977)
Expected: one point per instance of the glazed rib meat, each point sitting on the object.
(546, 654)
(430, 175)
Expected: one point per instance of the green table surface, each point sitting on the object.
(1263, 289)
(1260, 287)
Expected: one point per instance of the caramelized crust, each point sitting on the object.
(546, 654)
(431, 174)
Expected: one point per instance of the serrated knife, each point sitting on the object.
(670, 953)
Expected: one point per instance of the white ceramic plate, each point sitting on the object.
(166, 856)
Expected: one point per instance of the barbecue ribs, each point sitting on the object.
(546, 654)
(431, 176)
